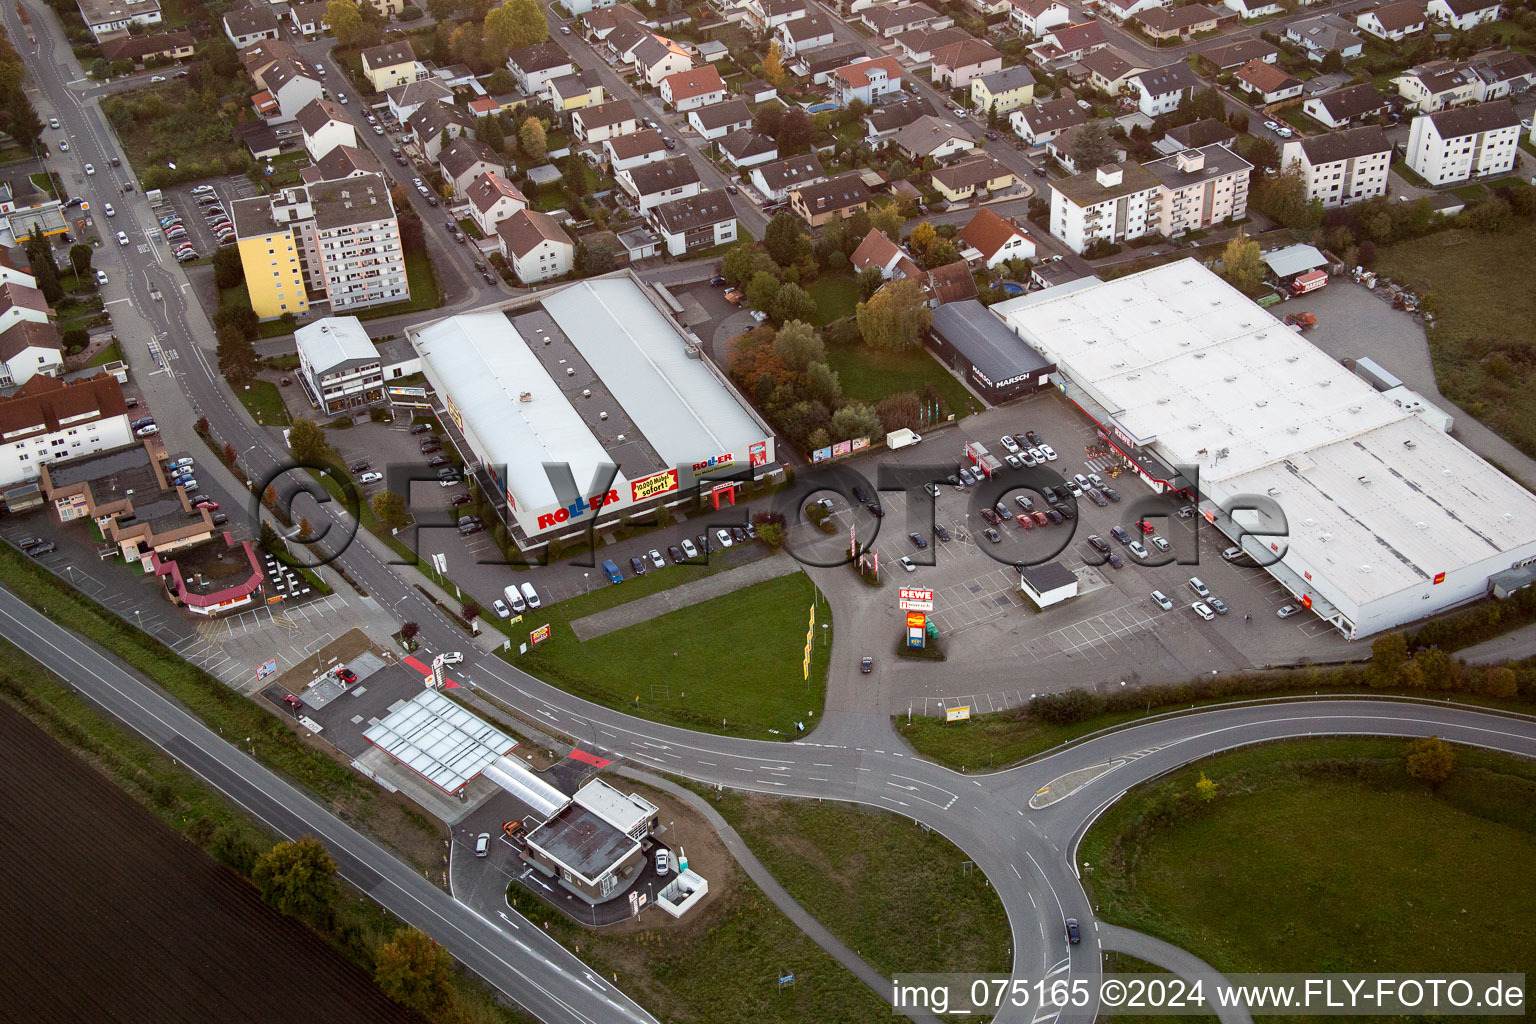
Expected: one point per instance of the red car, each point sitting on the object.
(208, 504)
(346, 675)
(1025, 520)
(1144, 526)
(1040, 518)
(293, 702)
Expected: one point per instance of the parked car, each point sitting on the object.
(1119, 534)
(718, 281)
(689, 551)
(1287, 611)
(657, 560)
(941, 533)
(676, 554)
(1050, 453)
(866, 664)
(346, 675)
(1139, 549)
(1009, 443)
(1198, 586)
(723, 537)
(1203, 610)
(1098, 544)
(918, 540)
(993, 536)
(421, 428)
(907, 564)
(500, 608)
(663, 863)
(636, 565)
(1218, 606)
(1161, 600)
(370, 478)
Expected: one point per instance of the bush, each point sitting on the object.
(1067, 707)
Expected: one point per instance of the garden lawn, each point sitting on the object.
(868, 375)
(112, 353)
(836, 296)
(1322, 855)
(263, 401)
(1483, 289)
(856, 870)
(731, 665)
(424, 290)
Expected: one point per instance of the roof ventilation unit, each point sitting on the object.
(1261, 403)
(1274, 491)
(603, 416)
(586, 392)
(1354, 408)
(570, 371)
(1363, 479)
(526, 396)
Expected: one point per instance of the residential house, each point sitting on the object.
(879, 251)
(651, 184)
(1250, 9)
(342, 162)
(493, 199)
(1036, 17)
(918, 45)
(955, 64)
(656, 58)
(701, 221)
(775, 180)
(1394, 22)
(106, 17)
(1325, 34)
(951, 283)
(1344, 107)
(1161, 90)
(339, 364)
(1489, 75)
(865, 80)
(1341, 167)
(746, 148)
(29, 349)
(536, 66)
(292, 84)
(1110, 204)
(1200, 188)
(1109, 69)
(247, 25)
(1208, 131)
(1063, 147)
(1124, 10)
(719, 120)
(162, 46)
(604, 121)
(840, 197)
(996, 239)
(324, 126)
(14, 267)
(1164, 23)
(625, 39)
(1464, 14)
(1266, 83)
(433, 120)
(1003, 91)
(974, 178)
(694, 88)
(391, 64)
(1069, 43)
(765, 16)
(711, 51)
(405, 100)
(309, 19)
(890, 20)
(1469, 142)
(465, 159)
(1042, 122)
(798, 35)
(535, 246)
(48, 421)
(934, 137)
(572, 92)
(22, 304)
(1234, 55)
(816, 67)
(598, 24)
(883, 122)
(636, 148)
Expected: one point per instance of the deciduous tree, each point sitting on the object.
(797, 344)
(773, 66)
(786, 239)
(346, 22)
(389, 507)
(532, 138)
(512, 26)
(790, 303)
(855, 420)
(761, 290)
(1242, 265)
(870, 280)
(413, 970)
(1205, 789)
(227, 269)
(1430, 760)
(1092, 147)
(895, 318)
(306, 440)
(298, 877)
(1389, 651)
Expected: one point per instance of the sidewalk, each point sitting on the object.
(635, 612)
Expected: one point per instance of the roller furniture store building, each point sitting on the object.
(1371, 514)
(586, 402)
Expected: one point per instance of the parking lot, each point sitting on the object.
(1113, 630)
(183, 203)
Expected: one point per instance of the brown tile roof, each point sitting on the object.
(345, 161)
(463, 153)
(1400, 15)
(603, 114)
(388, 55)
(965, 53)
(525, 229)
(627, 147)
(694, 82)
(951, 283)
(987, 232)
(490, 188)
(973, 172)
(1163, 19)
(43, 402)
(28, 334)
(857, 75)
(1266, 78)
(875, 251)
(315, 114)
(13, 294)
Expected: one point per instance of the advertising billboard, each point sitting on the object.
(959, 714)
(912, 599)
(757, 453)
(821, 454)
(664, 482)
(860, 443)
(539, 635)
(841, 448)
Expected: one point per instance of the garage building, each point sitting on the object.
(1376, 517)
(589, 400)
(998, 363)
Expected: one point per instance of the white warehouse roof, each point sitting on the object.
(683, 409)
(335, 341)
(480, 363)
(1187, 363)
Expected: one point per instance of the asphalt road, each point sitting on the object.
(850, 755)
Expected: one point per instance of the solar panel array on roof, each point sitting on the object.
(439, 740)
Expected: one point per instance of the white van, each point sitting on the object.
(1198, 586)
(531, 596)
(514, 598)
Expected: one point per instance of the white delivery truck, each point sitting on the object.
(514, 599)
(901, 438)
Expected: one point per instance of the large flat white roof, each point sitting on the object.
(682, 408)
(439, 740)
(481, 363)
(334, 341)
(1190, 365)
